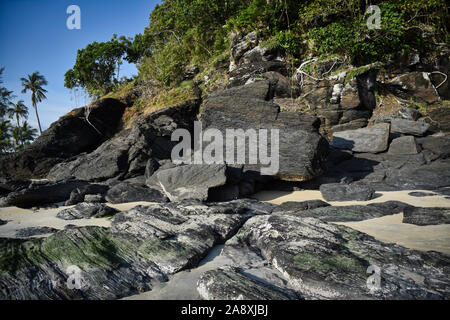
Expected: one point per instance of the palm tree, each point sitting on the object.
(27, 133)
(18, 110)
(34, 83)
(5, 141)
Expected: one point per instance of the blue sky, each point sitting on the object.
(34, 37)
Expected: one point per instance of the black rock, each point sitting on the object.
(87, 210)
(426, 216)
(416, 128)
(302, 149)
(421, 194)
(65, 138)
(126, 154)
(3, 222)
(293, 206)
(346, 192)
(41, 193)
(126, 192)
(34, 231)
(78, 195)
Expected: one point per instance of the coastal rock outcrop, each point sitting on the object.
(72, 134)
(127, 154)
(87, 210)
(302, 150)
(426, 216)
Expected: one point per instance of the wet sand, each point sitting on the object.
(18, 218)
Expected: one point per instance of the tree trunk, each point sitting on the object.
(37, 117)
(20, 130)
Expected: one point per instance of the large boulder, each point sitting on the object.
(41, 193)
(319, 260)
(346, 192)
(418, 85)
(404, 145)
(199, 182)
(426, 216)
(416, 128)
(125, 192)
(71, 135)
(127, 154)
(302, 149)
(372, 139)
(142, 248)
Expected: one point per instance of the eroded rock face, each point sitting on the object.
(416, 128)
(144, 245)
(301, 148)
(67, 137)
(404, 145)
(325, 261)
(426, 216)
(372, 139)
(124, 192)
(419, 85)
(346, 192)
(42, 192)
(127, 154)
(87, 210)
(231, 284)
(191, 181)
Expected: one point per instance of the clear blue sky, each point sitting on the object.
(34, 37)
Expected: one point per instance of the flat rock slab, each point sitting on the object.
(302, 150)
(426, 216)
(404, 145)
(230, 284)
(294, 206)
(372, 139)
(325, 261)
(144, 245)
(346, 192)
(191, 181)
(127, 192)
(41, 193)
(350, 213)
(35, 231)
(416, 128)
(87, 210)
(421, 194)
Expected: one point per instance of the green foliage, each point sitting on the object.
(97, 66)
(35, 84)
(343, 30)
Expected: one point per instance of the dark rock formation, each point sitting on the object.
(293, 206)
(42, 192)
(301, 148)
(230, 284)
(144, 245)
(371, 139)
(127, 154)
(418, 85)
(126, 192)
(34, 231)
(71, 135)
(346, 192)
(416, 128)
(325, 261)
(404, 145)
(426, 216)
(79, 194)
(3, 222)
(87, 210)
(351, 213)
